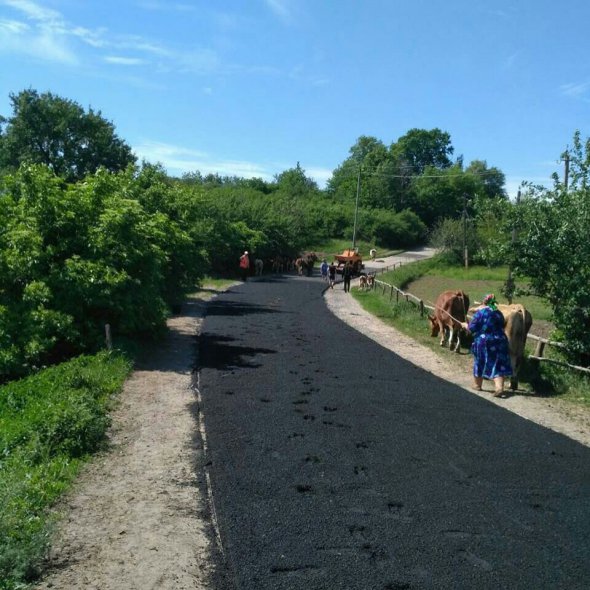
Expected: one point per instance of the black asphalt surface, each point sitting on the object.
(337, 465)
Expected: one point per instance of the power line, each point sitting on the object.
(410, 176)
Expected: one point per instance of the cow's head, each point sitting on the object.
(434, 327)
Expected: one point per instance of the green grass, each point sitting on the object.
(216, 283)
(426, 279)
(50, 423)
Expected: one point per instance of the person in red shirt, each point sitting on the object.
(244, 265)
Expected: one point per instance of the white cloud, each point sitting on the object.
(45, 34)
(179, 160)
(45, 40)
(20, 38)
(34, 11)
(167, 6)
(124, 61)
(13, 27)
(281, 8)
(575, 90)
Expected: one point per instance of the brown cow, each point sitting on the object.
(450, 310)
(517, 323)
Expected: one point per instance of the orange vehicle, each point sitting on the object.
(350, 255)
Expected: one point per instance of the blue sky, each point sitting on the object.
(251, 87)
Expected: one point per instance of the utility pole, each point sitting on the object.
(465, 252)
(567, 169)
(510, 280)
(356, 207)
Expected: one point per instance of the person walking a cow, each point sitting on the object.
(491, 358)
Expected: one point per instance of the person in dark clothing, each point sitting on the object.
(347, 275)
(332, 274)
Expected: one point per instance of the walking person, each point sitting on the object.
(332, 275)
(491, 356)
(324, 270)
(347, 275)
(244, 265)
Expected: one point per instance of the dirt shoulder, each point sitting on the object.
(137, 516)
(567, 419)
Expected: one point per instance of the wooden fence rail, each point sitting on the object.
(537, 356)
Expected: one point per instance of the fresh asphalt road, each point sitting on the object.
(337, 465)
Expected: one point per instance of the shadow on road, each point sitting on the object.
(230, 308)
(216, 352)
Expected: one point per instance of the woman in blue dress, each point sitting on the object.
(490, 345)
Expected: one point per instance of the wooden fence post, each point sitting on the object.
(391, 293)
(421, 308)
(540, 348)
(108, 339)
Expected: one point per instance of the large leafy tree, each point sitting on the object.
(293, 182)
(438, 194)
(370, 158)
(422, 148)
(387, 172)
(489, 181)
(47, 129)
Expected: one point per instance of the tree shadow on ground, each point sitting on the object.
(216, 352)
(233, 308)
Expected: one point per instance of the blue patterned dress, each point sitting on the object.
(490, 345)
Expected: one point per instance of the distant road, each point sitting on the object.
(408, 256)
(335, 464)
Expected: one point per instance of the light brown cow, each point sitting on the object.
(517, 323)
(450, 311)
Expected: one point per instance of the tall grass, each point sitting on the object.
(49, 424)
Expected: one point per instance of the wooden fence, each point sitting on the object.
(539, 348)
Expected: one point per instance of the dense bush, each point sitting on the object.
(74, 257)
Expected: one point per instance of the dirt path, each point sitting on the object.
(137, 517)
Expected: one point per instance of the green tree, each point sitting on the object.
(420, 148)
(489, 181)
(57, 132)
(295, 183)
(440, 194)
(553, 250)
